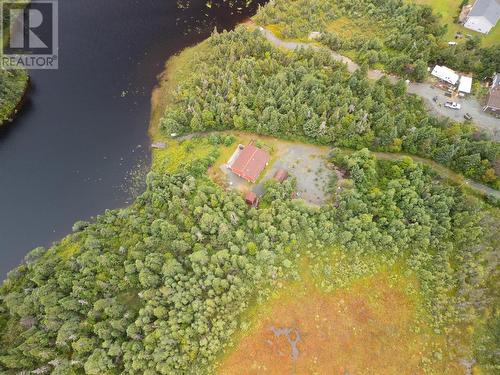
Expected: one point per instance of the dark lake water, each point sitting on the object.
(82, 135)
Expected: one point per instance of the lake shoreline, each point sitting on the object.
(166, 82)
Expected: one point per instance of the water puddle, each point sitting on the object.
(293, 337)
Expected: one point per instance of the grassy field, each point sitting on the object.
(349, 28)
(449, 10)
(374, 326)
(176, 153)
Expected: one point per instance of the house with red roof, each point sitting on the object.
(248, 162)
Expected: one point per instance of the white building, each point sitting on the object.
(445, 74)
(465, 85)
(483, 16)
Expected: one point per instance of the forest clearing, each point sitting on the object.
(284, 154)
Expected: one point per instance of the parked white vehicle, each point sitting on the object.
(452, 105)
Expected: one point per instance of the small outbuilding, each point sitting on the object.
(465, 85)
(281, 175)
(445, 74)
(314, 35)
(252, 199)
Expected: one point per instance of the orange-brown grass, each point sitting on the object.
(366, 329)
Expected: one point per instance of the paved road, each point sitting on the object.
(426, 91)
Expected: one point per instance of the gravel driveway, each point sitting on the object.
(308, 165)
(470, 105)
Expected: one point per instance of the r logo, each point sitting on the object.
(17, 28)
(32, 32)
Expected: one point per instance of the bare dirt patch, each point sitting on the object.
(367, 329)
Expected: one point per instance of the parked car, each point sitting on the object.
(452, 105)
(467, 116)
(448, 94)
(435, 99)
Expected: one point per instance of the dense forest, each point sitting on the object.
(245, 83)
(399, 36)
(158, 287)
(12, 86)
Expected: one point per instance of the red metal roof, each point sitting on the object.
(281, 175)
(250, 163)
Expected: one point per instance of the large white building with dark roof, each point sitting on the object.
(483, 16)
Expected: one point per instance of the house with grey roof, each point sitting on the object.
(483, 16)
